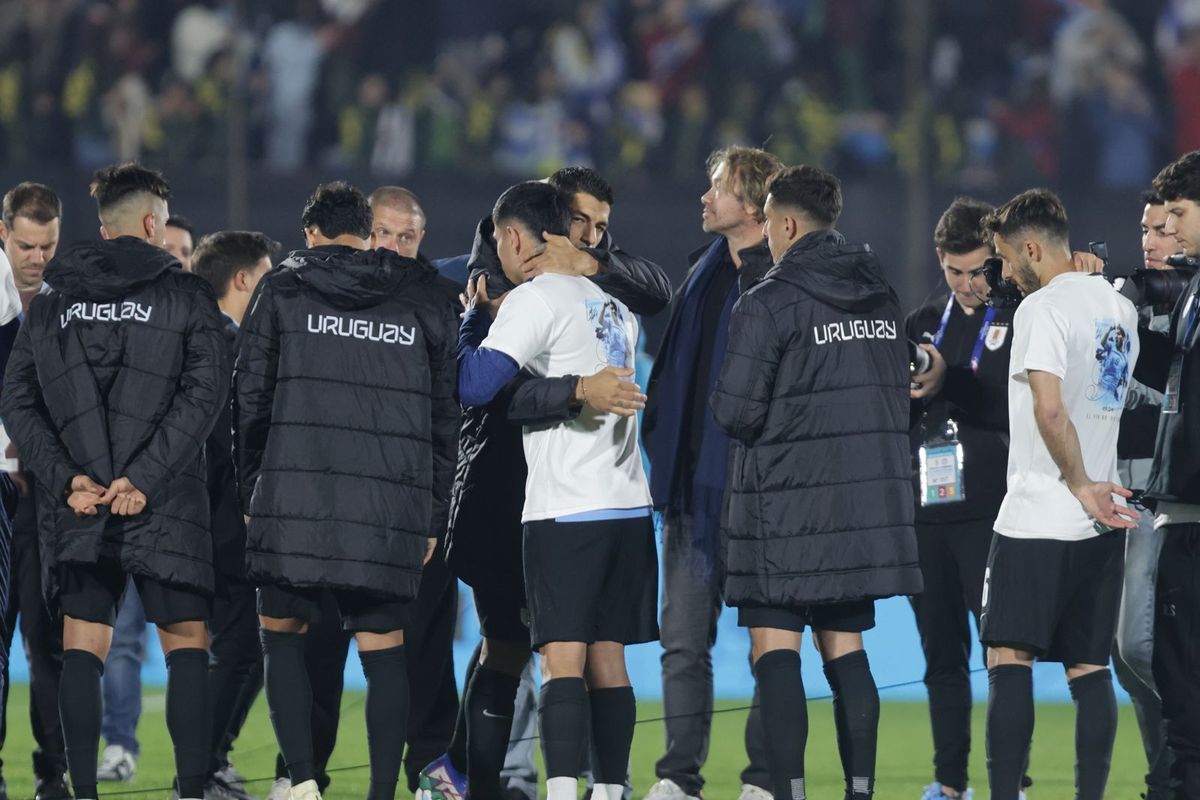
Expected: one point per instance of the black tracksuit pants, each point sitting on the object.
(1177, 652)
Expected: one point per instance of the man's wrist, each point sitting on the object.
(580, 396)
(589, 264)
(1077, 484)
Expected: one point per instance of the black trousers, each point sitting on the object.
(1177, 652)
(42, 638)
(235, 667)
(953, 558)
(429, 641)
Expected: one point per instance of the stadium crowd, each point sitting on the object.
(634, 87)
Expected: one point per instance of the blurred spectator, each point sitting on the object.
(1092, 37)
(1125, 128)
(1184, 75)
(531, 135)
(292, 56)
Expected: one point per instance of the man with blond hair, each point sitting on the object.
(688, 454)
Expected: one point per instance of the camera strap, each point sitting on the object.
(980, 341)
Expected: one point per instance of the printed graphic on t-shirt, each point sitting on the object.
(605, 317)
(1111, 374)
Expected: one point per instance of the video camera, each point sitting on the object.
(1159, 288)
(1003, 293)
(919, 360)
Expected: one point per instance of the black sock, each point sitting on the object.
(614, 712)
(188, 719)
(387, 717)
(950, 718)
(457, 750)
(489, 704)
(856, 715)
(562, 711)
(80, 707)
(1009, 728)
(1095, 731)
(289, 701)
(784, 719)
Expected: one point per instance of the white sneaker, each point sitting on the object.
(281, 789)
(116, 764)
(305, 791)
(667, 789)
(752, 792)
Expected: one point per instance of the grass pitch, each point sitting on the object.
(904, 761)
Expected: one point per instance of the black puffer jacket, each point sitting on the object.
(814, 390)
(1176, 474)
(228, 525)
(483, 542)
(345, 422)
(121, 371)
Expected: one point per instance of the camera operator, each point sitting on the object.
(961, 401)
(1174, 487)
(1134, 644)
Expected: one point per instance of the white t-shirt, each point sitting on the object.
(558, 325)
(1078, 328)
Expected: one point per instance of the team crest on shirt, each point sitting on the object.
(1110, 375)
(996, 336)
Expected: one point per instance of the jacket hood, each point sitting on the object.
(485, 259)
(108, 269)
(845, 276)
(350, 278)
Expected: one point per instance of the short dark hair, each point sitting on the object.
(396, 197)
(960, 229)
(539, 206)
(35, 201)
(1180, 180)
(1032, 210)
(113, 184)
(338, 209)
(220, 255)
(1152, 198)
(183, 223)
(808, 189)
(571, 180)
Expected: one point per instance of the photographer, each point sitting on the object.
(1174, 487)
(1134, 644)
(961, 400)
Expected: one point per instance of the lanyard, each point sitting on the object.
(1189, 320)
(977, 353)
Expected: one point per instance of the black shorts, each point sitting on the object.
(360, 612)
(502, 609)
(1058, 600)
(591, 581)
(852, 616)
(93, 593)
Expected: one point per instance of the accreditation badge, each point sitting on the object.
(941, 463)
